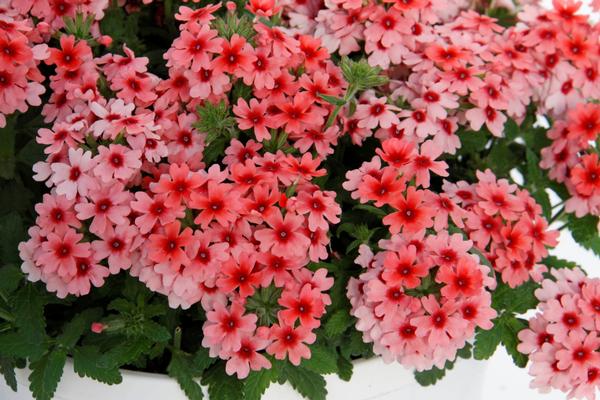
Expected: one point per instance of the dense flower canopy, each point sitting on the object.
(214, 171)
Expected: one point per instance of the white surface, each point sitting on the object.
(372, 380)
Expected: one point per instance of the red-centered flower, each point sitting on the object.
(577, 47)
(60, 252)
(321, 208)
(238, 273)
(306, 167)
(584, 123)
(167, 247)
(441, 324)
(108, 205)
(55, 214)
(261, 204)
(314, 54)
(236, 56)
(278, 269)
(205, 256)
(401, 268)
(397, 152)
(586, 175)
(194, 47)
(412, 214)
(71, 55)
(446, 57)
(253, 117)
(153, 210)
(306, 307)
(14, 50)
(381, 189)
(225, 327)
(424, 162)
(219, 203)
(298, 114)
(291, 341)
(284, 236)
(464, 279)
(580, 353)
(247, 358)
(178, 184)
(246, 175)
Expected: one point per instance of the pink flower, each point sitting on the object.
(247, 357)
(494, 120)
(218, 203)
(283, 236)
(56, 214)
(178, 184)
(153, 210)
(566, 317)
(167, 247)
(117, 162)
(376, 113)
(464, 279)
(108, 205)
(441, 324)
(291, 342)
(61, 251)
(73, 178)
(580, 353)
(424, 162)
(224, 328)
(88, 273)
(320, 207)
(305, 306)
(117, 244)
(412, 215)
(590, 301)
(253, 117)
(236, 56)
(238, 273)
(193, 47)
(402, 268)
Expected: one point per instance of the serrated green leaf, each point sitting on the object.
(510, 328)
(180, 369)
(12, 231)
(125, 352)
(202, 360)
(432, 376)
(46, 373)
(583, 229)
(308, 383)
(74, 329)
(29, 319)
(344, 368)
(121, 305)
(13, 344)
(323, 360)
(555, 262)
(466, 352)
(10, 277)
(222, 386)
(486, 342)
(85, 363)
(156, 332)
(518, 300)
(257, 383)
(7, 369)
(338, 323)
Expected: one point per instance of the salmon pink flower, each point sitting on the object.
(154, 209)
(61, 251)
(88, 273)
(291, 342)
(117, 162)
(401, 268)
(71, 56)
(166, 247)
(75, 177)
(320, 207)
(218, 203)
(247, 358)
(441, 324)
(464, 279)
(224, 328)
(178, 184)
(283, 236)
(194, 47)
(412, 214)
(297, 114)
(253, 117)
(376, 113)
(236, 56)
(424, 162)
(306, 307)
(55, 214)
(238, 273)
(108, 205)
(117, 245)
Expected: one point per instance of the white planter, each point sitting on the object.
(372, 379)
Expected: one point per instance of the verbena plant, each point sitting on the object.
(255, 192)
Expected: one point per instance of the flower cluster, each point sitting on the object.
(563, 339)
(21, 50)
(133, 189)
(572, 158)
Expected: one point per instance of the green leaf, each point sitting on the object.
(125, 352)
(336, 101)
(231, 24)
(432, 376)
(537, 183)
(85, 363)
(10, 277)
(486, 342)
(14, 344)
(7, 369)
(309, 384)
(257, 383)
(338, 323)
(510, 328)
(344, 368)
(371, 209)
(29, 319)
(511, 129)
(360, 76)
(555, 262)
(220, 385)
(7, 148)
(583, 229)
(156, 332)
(202, 360)
(46, 373)
(74, 329)
(323, 360)
(466, 352)
(12, 231)
(214, 120)
(181, 369)
(518, 300)
(122, 27)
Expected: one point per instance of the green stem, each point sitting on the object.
(177, 338)
(556, 216)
